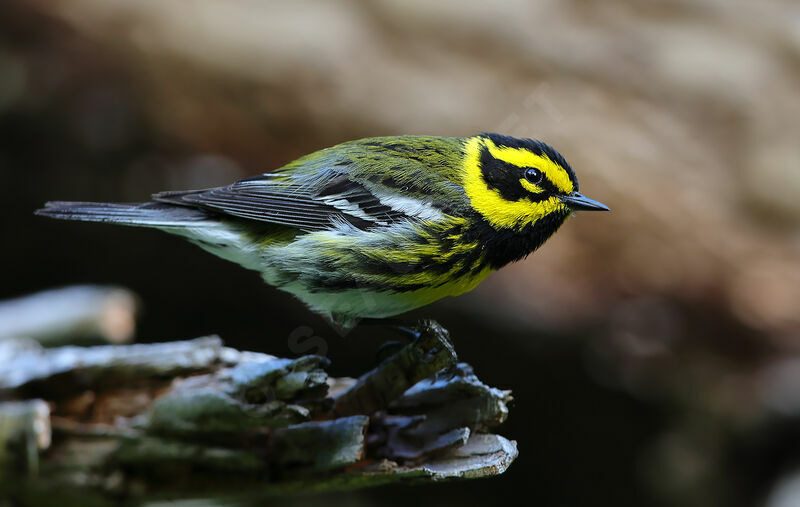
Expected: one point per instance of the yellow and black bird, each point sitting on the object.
(374, 227)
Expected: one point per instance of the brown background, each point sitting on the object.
(652, 350)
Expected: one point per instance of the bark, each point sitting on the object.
(195, 419)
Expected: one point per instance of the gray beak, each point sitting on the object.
(577, 201)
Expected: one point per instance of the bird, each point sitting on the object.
(375, 227)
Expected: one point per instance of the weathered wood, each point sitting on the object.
(483, 455)
(429, 353)
(324, 445)
(195, 419)
(59, 316)
(24, 431)
(442, 412)
(30, 370)
(249, 395)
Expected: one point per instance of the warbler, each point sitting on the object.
(374, 227)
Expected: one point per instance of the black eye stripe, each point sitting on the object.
(537, 148)
(505, 178)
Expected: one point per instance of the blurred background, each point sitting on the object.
(653, 352)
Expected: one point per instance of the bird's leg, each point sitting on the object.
(410, 331)
(406, 330)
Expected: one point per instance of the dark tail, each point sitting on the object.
(149, 214)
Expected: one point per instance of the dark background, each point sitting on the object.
(652, 351)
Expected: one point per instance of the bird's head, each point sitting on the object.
(515, 183)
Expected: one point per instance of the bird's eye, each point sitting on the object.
(533, 175)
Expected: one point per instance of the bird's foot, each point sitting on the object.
(406, 329)
(408, 332)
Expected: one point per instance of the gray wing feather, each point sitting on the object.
(149, 214)
(268, 199)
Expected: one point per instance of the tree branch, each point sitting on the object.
(197, 419)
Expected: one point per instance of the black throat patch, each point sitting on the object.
(501, 247)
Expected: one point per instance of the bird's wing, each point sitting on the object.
(362, 186)
(262, 199)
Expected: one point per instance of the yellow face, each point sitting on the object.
(515, 182)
